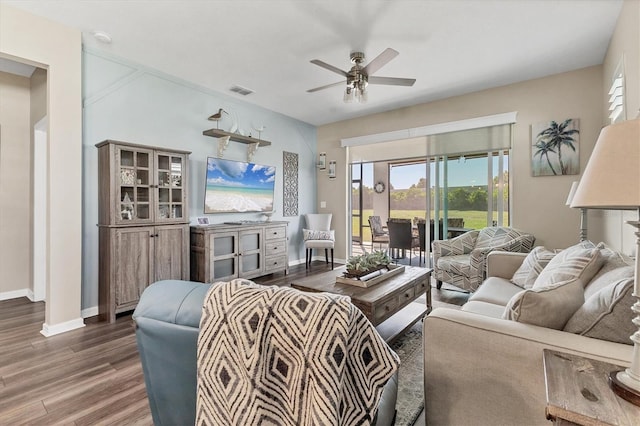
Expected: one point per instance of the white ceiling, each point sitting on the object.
(451, 47)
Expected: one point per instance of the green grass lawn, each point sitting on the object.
(473, 219)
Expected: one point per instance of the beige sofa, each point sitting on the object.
(481, 369)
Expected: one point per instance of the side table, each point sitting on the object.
(578, 392)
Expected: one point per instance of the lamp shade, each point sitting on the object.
(572, 192)
(611, 179)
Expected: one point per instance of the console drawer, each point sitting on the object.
(274, 248)
(273, 264)
(275, 233)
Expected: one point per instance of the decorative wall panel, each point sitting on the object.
(290, 186)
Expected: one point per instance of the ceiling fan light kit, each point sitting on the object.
(359, 77)
(356, 80)
(352, 93)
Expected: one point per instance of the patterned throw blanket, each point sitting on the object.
(279, 356)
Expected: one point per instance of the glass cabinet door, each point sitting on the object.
(133, 185)
(170, 170)
(224, 256)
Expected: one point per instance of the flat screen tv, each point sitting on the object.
(238, 187)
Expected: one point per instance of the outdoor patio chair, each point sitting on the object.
(401, 236)
(378, 234)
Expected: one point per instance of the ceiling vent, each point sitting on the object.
(241, 90)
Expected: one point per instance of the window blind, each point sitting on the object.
(484, 139)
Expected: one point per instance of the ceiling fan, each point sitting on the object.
(358, 77)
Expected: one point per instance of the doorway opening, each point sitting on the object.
(39, 223)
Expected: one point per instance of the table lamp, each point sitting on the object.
(611, 181)
(583, 212)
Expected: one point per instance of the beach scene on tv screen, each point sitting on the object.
(237, 186)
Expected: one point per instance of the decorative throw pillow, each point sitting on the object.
(607, 314)
(613, 259)
(531, 267)
(549, 307)
(573, 262)
(601, 281)
(310, 234)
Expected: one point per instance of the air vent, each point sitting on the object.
(241, 90)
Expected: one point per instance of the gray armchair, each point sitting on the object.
(462, 261)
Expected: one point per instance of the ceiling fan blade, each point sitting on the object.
(325, 65)
(326, 87)
(380, 61)
(392, 81)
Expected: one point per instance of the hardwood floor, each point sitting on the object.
(88, 376)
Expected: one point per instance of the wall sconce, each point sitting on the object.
(251, 150)
(322, 161)
(223, 143)
(332, 169)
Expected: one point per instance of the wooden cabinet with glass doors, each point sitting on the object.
(142, 193)
(140, 184)
(222, 252)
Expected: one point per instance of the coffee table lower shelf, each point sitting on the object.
(402, 321)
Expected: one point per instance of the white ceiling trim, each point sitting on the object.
(433, 129)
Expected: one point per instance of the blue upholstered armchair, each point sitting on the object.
(462, 261)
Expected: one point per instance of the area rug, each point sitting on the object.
(410, 400)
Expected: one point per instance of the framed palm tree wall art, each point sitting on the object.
(555, 148)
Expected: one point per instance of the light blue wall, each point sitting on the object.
(129, 102)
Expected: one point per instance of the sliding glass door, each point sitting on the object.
(408, 189)
(361, 202)
(458, 178)
(471, 190)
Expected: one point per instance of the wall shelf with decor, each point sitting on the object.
(217, 133)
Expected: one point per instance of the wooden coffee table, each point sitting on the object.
(389, 305)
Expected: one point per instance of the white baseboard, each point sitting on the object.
(89, 312)
(52, 330)
(15, 294)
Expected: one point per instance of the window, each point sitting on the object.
(616, 95)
